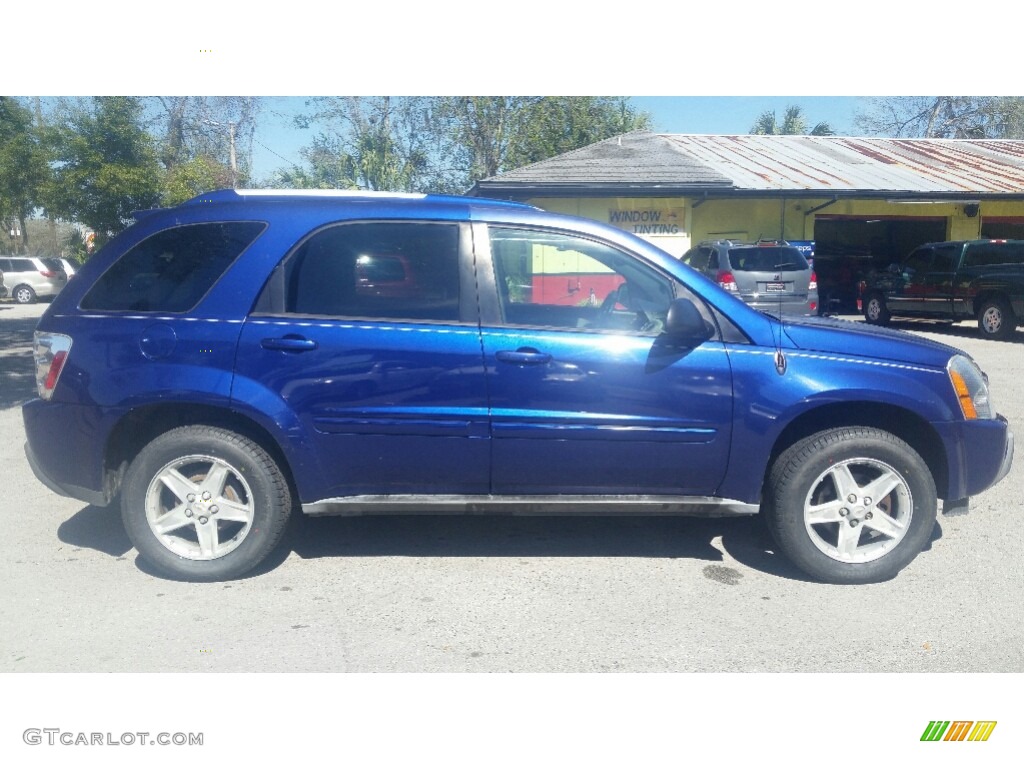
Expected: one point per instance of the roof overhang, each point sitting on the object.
(706, 192)
(527, 190)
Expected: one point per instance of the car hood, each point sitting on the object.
(825, 334)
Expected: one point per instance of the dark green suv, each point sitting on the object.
(956, 280)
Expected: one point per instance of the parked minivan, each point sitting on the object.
(29, 278)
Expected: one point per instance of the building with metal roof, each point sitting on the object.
(857, 203)
(783, 165)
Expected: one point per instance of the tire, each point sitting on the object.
(834, 540)
(23, 294)
(194, 524)
(875, 311)
(996, 319)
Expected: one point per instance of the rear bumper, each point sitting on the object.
(64, 489)
(790, 305)
(64, 449)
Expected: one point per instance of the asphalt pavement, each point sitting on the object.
(471, 594)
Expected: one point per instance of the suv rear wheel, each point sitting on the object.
(204, 504)
(852, 505)
(875, 311)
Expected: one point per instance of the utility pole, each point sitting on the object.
(52, 224)
(234, 163)
(231, 149)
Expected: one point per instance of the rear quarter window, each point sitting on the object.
(172, 270)
(993, 254)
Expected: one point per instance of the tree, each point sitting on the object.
(559, 124)
(944, 117)
(24, 170)
(793, 123)
(444, 144)
(374, 143)
(105, 165)
(220, 129)
(187, 179)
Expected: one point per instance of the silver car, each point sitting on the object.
(772, 276)
(28, 278)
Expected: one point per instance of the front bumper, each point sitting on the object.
(980, 454)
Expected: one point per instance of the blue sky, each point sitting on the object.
(279, 141)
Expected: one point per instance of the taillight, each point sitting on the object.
(49, 273)
(813, 285)
(51, 353)
(727, 281)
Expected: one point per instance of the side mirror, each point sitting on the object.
(685, 323)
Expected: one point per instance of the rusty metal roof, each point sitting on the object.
(746, 164)
(834, 163)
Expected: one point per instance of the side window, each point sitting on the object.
(698, 258)
(713, 261)
(991, 254)
(560, 281)
(172, 270)
(945, 258)
(918, 262)
(379, 270)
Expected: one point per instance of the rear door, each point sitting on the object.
(366, 344)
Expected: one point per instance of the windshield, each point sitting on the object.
(767, 259)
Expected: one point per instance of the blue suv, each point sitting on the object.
(224, 362)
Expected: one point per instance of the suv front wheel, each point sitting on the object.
(202, 503)
(852, 505)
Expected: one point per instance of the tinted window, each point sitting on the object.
(767, 259)
(377, 270)
(990, 254)
(172, 270)
(23, 265)
(918, 261)
(945, 258)
(560, 281)
(698, 258)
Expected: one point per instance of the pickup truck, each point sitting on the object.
(956, 280)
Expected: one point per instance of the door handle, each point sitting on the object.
(289, 344)
(523, 356)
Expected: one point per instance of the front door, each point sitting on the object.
(587, 396)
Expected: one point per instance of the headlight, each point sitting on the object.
(971, 387)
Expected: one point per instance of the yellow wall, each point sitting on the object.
(665, 221)
(753, 218)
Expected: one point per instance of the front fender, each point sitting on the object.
(768, 402)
